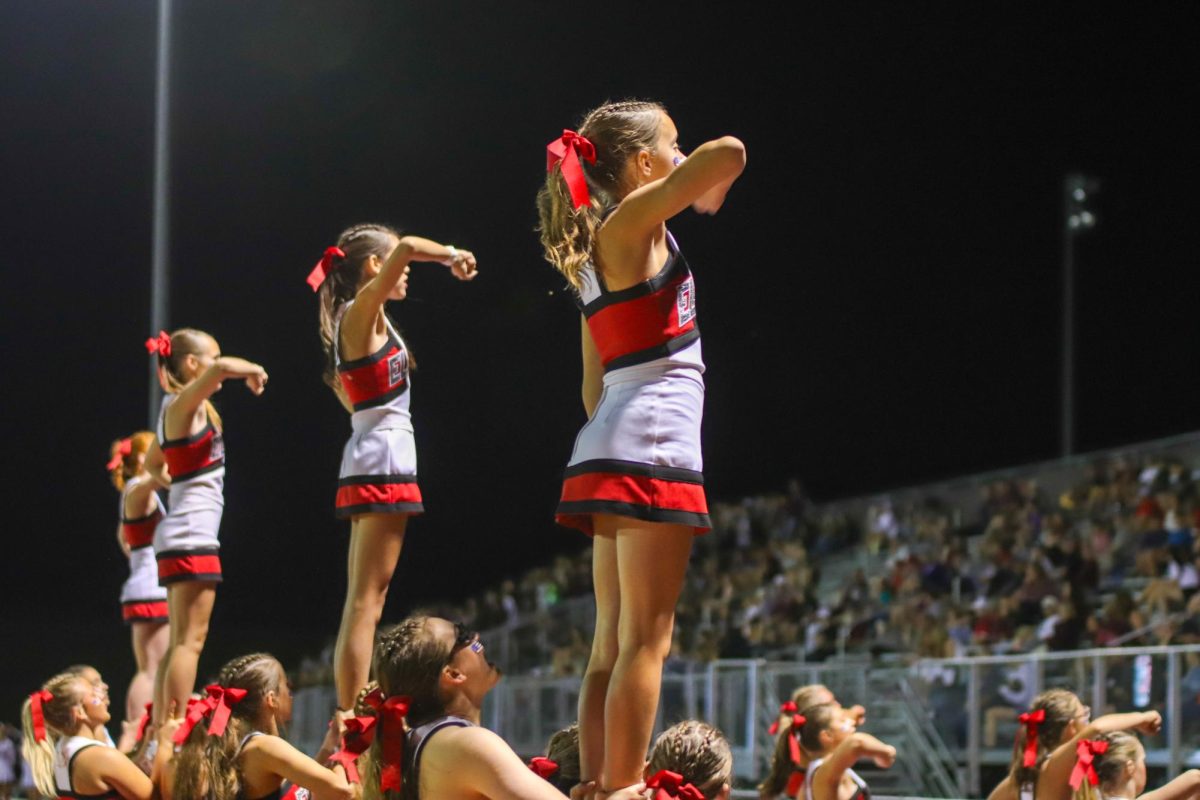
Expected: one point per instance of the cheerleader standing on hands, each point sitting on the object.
(367, 365)
(190, 444)
(634, 480)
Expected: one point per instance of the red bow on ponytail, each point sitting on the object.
(667, 784)
(567, 151)
(37, 714)
(144, 721)
(160, 344)
(1085, 757)
(795, 783)
(544, 767)
(321, 271)
(798, 721)
(391, 719)
(223, 700)
(196, 711)
(360, 732)
(1031, 721)
(787, 708)
(124, 448)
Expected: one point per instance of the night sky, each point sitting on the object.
(880, 295)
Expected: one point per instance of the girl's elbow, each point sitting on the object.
(734, 150)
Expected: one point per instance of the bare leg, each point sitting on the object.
(190, 606)
(375, 544)
(604, 649)
(150, 641)
(651, 561)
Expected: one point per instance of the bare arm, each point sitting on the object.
(1185, 787)
(1005, 790)
(113, 768)
(478, 762)
(157, 465)
(593, 371)
(1057, 769)
(187, 404)
(277, 756)
(854, 747)
(712, 166)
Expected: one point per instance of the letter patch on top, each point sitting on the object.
(685, 301)
(396, 365)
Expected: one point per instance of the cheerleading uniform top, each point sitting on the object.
(863, 792)
(416, 739)
(196, 464)
(377, 384)
(64, 757)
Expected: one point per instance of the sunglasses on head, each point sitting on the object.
(464, 637)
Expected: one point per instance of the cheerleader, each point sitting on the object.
(232, 744)
(66, 755)
(828, 735)
(789, 762)
(433, 677)
(634, 479)
(191, 447)
(1045, 747)
(143, 601)
(367, 364)
(1113, 767)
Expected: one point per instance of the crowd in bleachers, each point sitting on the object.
(1113, 559)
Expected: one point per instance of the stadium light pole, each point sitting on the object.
(1077, 218)
(159, 278)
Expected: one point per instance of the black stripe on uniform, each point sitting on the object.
(345, 512)
(658, 351)
(195, 437)
(613, 465)
(675, 262)
(635, 511)
(374, 358)
(200, 551)
(199, 577)
(362, 480)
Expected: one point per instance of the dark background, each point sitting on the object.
(880, 295)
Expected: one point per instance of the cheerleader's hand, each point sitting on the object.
(584, 790)
(166, 734)
(257, 382)
(462, 265)
(1152, 723)
(635, 792)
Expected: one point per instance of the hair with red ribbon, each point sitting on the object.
(122, 449)
(1030, 722)
(391, 721)
(160, 345)
(321, 271)
(785, 709)
(359, 733)
(197, 709)
(667, 784)
(144, 722)
(38, 714)
(223, 699)
(566, 151)
(543, 767)
(1086, 751)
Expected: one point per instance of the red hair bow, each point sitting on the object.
(197, 709)
(360, 732)
(374, 699)
(124, 448)
(391, 718)
(144, 721)
(321, 271)
(37, 715)
(544, 767)
(795, 783)
(667, 784)
(349, 762)
(798, 721)
(1031, 721)
(160, 344)
(567, 150)
(1085, 757)
(787, 708)
(223, 700)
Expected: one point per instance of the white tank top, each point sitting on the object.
(64, 753)
(863, 792)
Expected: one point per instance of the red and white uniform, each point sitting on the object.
(142, 599)
(65, 751)
(379, 462)
(185, 542)
(639, 454)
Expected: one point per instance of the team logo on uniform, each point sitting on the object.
(397, 364)
(685, 301)
(216, 451)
